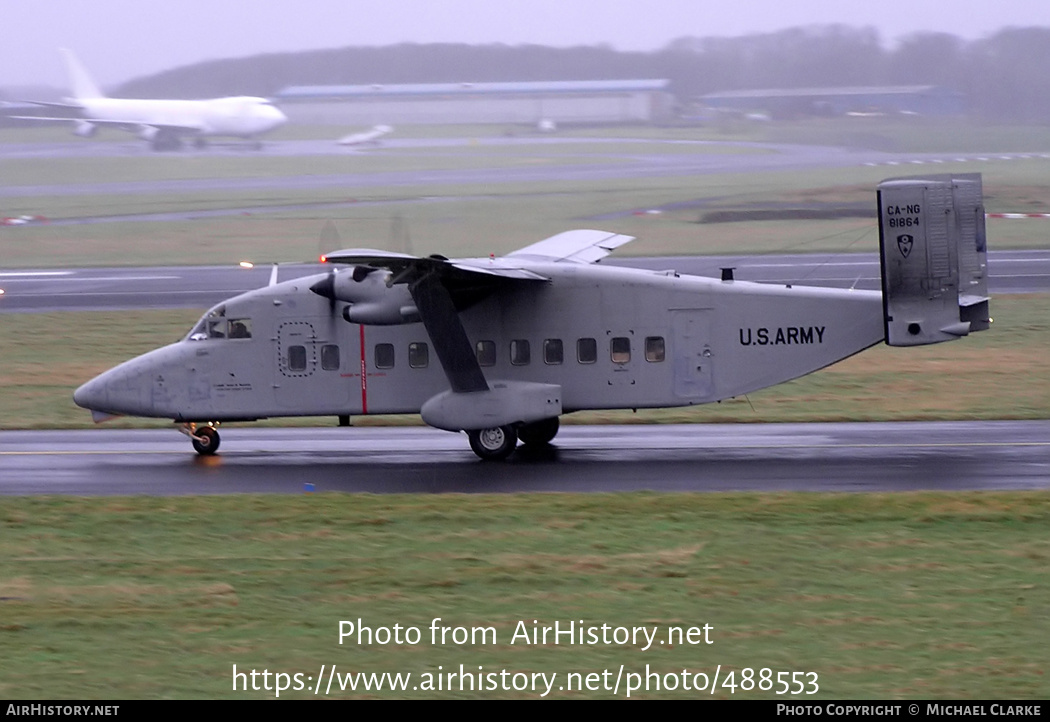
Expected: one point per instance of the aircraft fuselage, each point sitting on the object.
(609, 337)
(244, 117)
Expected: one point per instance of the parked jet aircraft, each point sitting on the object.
(164, 123)
(367, 137)
(502, 347)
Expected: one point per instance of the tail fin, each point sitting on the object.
(82, 85)
(934, 258)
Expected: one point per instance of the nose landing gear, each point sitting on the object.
(205, 439)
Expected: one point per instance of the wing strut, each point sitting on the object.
(446, 332)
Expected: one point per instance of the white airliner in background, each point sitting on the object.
(368, 136)
(164, 123)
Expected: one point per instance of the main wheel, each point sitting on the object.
(206, 441)
(493, 444)
(539, 433)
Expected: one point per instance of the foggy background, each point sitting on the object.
(119, 40)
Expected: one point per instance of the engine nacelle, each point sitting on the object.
(381, 313)
(371, 300)
(84, 129)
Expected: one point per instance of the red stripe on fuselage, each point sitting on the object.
(364, 374)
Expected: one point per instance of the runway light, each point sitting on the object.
(1, 292)
(246, 264)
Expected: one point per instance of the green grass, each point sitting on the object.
(882, 596)
(476, 219)
(470, 220)
(1000, 373)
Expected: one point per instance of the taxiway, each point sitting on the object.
(84, 289)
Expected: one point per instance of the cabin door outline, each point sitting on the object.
(693, 353)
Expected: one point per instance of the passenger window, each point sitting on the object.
(553, 353)
(586, 350)
(384, 355)
(297, 358)
(418, 355)
(330, 357)
(519, 352)
(240, 328)
(654, 349)
(486, 353)
(620, 349)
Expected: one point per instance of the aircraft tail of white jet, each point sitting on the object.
(83, 87)
(934, 258)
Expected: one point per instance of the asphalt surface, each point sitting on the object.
(204, 286)
(867, 457)
(611, 164)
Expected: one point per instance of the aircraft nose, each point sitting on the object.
(121, 390)
(277, 116)
(94, 396)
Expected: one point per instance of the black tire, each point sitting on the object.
(539, 433)
(493, 444)
(206, 441)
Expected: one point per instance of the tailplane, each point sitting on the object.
(934, 258)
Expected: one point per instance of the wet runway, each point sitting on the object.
(867, 457)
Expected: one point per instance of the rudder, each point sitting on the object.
(934, 258)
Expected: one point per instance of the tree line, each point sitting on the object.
(1004, 76)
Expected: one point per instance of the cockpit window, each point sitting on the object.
(216, 328)
(215, 325)
(240, 328)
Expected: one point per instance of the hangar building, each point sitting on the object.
(574, 101)
(931, 100)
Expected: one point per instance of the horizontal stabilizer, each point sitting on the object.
(934, 258)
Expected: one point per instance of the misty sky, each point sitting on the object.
(121, 39)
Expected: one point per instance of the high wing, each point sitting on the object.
(578, 246)
(439, 288)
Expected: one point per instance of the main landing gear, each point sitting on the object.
(498, 443)
(493, 444)
(205, 439)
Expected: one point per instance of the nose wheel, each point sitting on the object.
(205, 439)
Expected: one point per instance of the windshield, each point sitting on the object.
(211, 325)
(215, 325)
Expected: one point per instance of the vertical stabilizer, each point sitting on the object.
(934, 258)
(80, 82)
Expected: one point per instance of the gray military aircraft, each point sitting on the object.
(501, 347)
